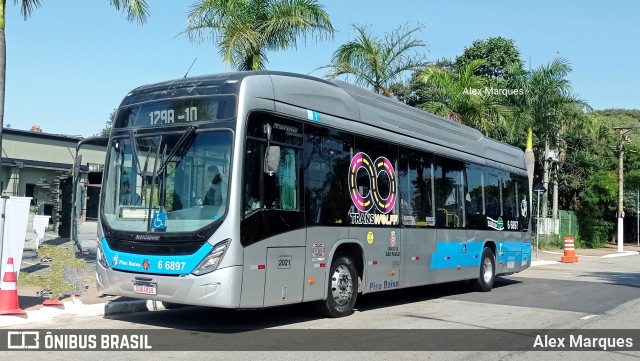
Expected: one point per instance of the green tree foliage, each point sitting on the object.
(245, 30)
(378, 63)
(107, 126)
(611, 118)
(415, 92)
(548, 91)
(498, 54)
(462, 97)
(587, 173)
(622, 117)
(588, 180)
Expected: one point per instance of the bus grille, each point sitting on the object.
(154, 247)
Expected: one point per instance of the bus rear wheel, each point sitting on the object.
(484, 283)
(342, 288)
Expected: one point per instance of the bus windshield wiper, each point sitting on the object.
(153, 183)
(183, 143)
(134, 150)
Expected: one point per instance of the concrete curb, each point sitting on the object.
(621, 254)
(77, 308)
(542, 263)
(610, 255)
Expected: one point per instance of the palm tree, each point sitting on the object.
(135, 9)
(548, 95)
(377, 63)
(463, 97)
(245, 30)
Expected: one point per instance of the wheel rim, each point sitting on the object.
(341, 285)
(487, 270)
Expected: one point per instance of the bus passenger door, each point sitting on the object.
(415, 177)
(451, 254)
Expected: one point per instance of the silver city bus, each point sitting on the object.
(260, 189)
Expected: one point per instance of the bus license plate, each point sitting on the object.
(145, 288)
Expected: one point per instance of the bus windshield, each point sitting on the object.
(169, 182)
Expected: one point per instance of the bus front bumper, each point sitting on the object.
(220, 288)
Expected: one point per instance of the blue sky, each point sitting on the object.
(71, 63)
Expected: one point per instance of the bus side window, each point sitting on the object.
(252, 198)
(327, 153)
(493, 191)
(281, 189)
(510, 202)
(450, 201)
(475, 196)
(415, 185)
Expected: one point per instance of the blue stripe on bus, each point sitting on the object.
(158, 264)
(451, 255)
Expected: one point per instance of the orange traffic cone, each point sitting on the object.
(9, 292)
(569, 251)
(52, 302)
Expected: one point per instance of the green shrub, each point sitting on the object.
(53, 277)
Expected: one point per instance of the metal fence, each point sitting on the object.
(568, 224)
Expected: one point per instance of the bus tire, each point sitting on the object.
(484, 283)
(342, 288)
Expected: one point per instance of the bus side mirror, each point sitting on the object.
(272, 159)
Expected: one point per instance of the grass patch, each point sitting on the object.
(61, 276)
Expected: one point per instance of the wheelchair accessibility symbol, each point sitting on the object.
(159, 220)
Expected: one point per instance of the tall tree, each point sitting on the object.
(375, 62)
(245, 30)
(498, 54)
(136, 10)
(547, 97)
(463, 97)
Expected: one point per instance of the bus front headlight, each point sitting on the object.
(213, 259)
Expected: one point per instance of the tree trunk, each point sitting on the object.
(545, 180)
(554, 207)
(556, 170)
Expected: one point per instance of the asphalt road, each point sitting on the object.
(596, 293)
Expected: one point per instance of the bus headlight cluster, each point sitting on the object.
(100, 256)
(213, 259)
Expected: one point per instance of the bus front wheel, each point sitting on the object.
(484, 283)
(343, 288)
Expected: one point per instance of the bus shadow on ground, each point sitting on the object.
(421, 293)
(629, 279)
(209, 319)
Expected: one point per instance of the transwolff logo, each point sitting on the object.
(114, 261)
